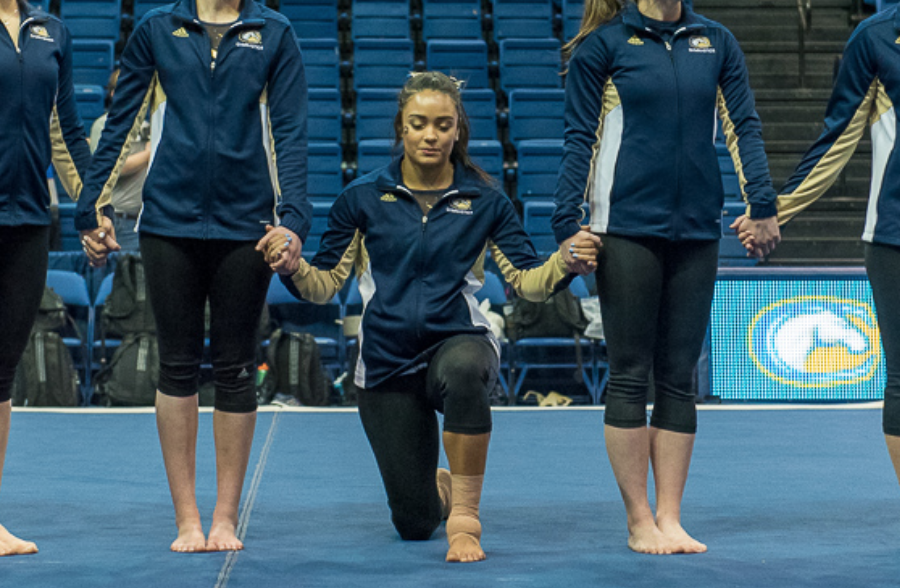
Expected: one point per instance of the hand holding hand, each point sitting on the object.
(579, 251)
(281, 248)
(758, 236)
(100, 242)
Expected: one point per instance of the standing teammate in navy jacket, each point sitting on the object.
(37, 118)
(865, 94)
(225, 88)
(644, 83)
(416, 232)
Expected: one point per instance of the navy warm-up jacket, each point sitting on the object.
(39, 121)
(229, 139)
(864, 95)
(418, 273)
(640, 131)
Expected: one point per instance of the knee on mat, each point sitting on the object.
(415, 529)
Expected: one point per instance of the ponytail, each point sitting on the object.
(596, 13)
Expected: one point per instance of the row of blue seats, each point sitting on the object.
(440, 19)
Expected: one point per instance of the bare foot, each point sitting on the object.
(222, 537)
(647, 538)
(190, 539)
(678, 538)
(12, 545)
(464, 537)
(445, 490)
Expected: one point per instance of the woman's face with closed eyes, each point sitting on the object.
(430, 129)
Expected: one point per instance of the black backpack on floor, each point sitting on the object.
(295, 364)
(132, 375)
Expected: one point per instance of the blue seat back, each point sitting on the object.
(531, 63)
(572, 11)
(492, 290)
(536, 114)
(324, 176)
(489, 156)
(324, 122)
(451, 19)
(375, 111)
(465, 60)
(381, 63)
(312, 19)
(92, 61)
(374, 153)
(92, 19)
(142, 7)
(481, 109)
(523, 19)
(89, 100)
(380, 19)
(321, 63)
(539, 163)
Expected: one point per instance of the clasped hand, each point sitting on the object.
(758, 236)
(281, 248)
(580, 251)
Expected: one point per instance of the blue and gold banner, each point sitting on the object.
(795, 339)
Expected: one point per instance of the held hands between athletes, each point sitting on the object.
(579, 251)
(281, 246)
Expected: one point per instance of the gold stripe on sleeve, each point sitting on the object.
(829, 167)
(535, 284)
(62, 159)
(320, 286)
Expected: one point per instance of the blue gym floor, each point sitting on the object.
(786, 497)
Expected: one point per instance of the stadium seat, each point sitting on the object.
(465, 60)
(558, 353)
(522, 19)
(572, 11)
(481, 109)
(529, 63)
(381, 63)
(142, 7)
(324, 175)
(90, 103)
(375, 111)
(451, 19)
(92, 61)
(489, 156)
(324, 123)
(731, 252)
(321, 62)
(536, 219)
(538, 167)
(884, 4)
(92, 19)
(536, 114)
(73, 290)
(380, 19)
(374, 153)
(322, 321)
(312, 19)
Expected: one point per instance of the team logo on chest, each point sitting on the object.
(700, 44)
(460, 206)
(40, 33)
(250, 40)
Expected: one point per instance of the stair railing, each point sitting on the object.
(804, 9)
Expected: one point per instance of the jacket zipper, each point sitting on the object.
(22, 98)
(210, 112)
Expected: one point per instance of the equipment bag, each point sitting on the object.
(127, 308)
(46, 375)
(296, 365)
(132, 375)
(558, 316)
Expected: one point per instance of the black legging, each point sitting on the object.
(883, 267)
(655, 300)
(181, 275)
(23, 273)
(400, 421)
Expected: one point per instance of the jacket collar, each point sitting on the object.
(631, 16)
(465, 182)
(251, 13)
(34, 13)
